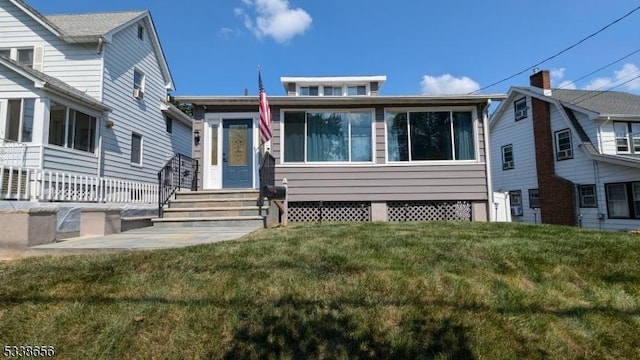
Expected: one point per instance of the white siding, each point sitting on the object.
(607, 138)
(579, 169)
(77, 65)
(122, 56)
(523, 176)
(13, 85)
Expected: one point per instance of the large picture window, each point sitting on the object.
(17, 122)
(341, 136)
(71, 128)
(430, 135)
(623, 200)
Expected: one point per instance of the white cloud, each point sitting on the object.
(621, 77)
(448, 84)
(567, 84)
(557, 74)
(226, 32)
(275, 18)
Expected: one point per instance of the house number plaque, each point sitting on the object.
(237, 145)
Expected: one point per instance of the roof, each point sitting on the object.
(53, 84)
(90, 27)
(603, 102)
(337, 101)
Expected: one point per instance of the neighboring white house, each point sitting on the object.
(568, 157)
(85, 94)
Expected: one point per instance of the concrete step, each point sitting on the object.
(219, 194)
(221, 221)
(211, 203)
(213, 211)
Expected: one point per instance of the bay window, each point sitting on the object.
(430, 135)
(71, 128)
(337, 136)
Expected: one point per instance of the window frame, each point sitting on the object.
(582, 202)
(629, 137)
(141, 32)
(305, 157)
(139, 151)
(632, 203)
(26, 111)
(357, 89)
(138, 85)
(333, 90)
(32, 57)
(568, 152)
(451, 110)
(309, 90)
(534, 198)
(507, 164)
(168, 122)
(69, 138)
(520, 112)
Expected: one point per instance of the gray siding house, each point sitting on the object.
(84, 95)
(349, 153)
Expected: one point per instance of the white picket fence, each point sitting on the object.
(18, 183)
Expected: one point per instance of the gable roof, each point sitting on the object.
(605, 103)
(96, 27)
(42, 80)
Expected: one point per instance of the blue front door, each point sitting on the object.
(237, 153)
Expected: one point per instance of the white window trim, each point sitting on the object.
(522, 113)
(581, 202)
(510, 166)
(564, 154)
(328, 163)
(474, 116)
(140, 87)
(140, 164)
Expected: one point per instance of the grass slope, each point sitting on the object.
(423, 290)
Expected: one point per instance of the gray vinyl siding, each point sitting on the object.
(181, 138)
(130, 115)
(382, 181)
(60, 159)
(77, 65)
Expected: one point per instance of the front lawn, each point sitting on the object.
(412, 290)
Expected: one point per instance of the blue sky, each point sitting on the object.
(213, 47)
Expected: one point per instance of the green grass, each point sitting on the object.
(428, 290)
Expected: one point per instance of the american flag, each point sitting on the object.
(265, 113)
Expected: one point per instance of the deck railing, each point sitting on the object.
(19, 183)
(179, 173)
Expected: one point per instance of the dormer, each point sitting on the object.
(332, 85)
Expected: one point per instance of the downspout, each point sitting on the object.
(487, 157)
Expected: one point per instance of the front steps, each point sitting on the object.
(213, 208)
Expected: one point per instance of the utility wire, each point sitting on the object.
(561, 52)
(599, 69)
(604, 91)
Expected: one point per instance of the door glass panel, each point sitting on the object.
(214, 145)
(238, 145)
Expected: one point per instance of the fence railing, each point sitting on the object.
(12, 153)
(18, 183)
(181, 172)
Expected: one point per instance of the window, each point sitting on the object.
(356, 90)
(515, 198)
(138, 84)
(520, 109)
(340, 136)
(507, 157)
(18, 123)
(534, 198)
(587, 195)
(309, 90)
(564, 149)
(430, 135)
(25, 57)
(71, 128)
(168, 122)
(627, 137)
(623, 200)
(140, 31)
(332, 90)
(136, 149)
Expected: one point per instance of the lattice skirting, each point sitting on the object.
(329, 211)
(428, 211)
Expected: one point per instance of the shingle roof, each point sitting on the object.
(91, 26)
(602, 102)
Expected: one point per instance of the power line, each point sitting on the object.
(609, 89)
(561, 52)
(599, 69)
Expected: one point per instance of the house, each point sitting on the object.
(351, 154)
(83, 99)
(568, 157)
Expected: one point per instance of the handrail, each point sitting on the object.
(267, 176)
(181, 172)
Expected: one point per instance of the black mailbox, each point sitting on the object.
(273, 192)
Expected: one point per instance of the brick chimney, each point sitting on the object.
(556, 194)
(542, 80)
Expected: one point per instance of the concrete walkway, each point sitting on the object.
(140, 239)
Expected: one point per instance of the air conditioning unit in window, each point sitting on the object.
(521, 114)
(516, 210)
(564, 154)
(507, 165)
(138, 94)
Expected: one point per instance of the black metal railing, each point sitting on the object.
(180, 173)
(267, 176)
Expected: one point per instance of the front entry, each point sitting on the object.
(237, 154)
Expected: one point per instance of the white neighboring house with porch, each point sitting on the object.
(83, 106)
